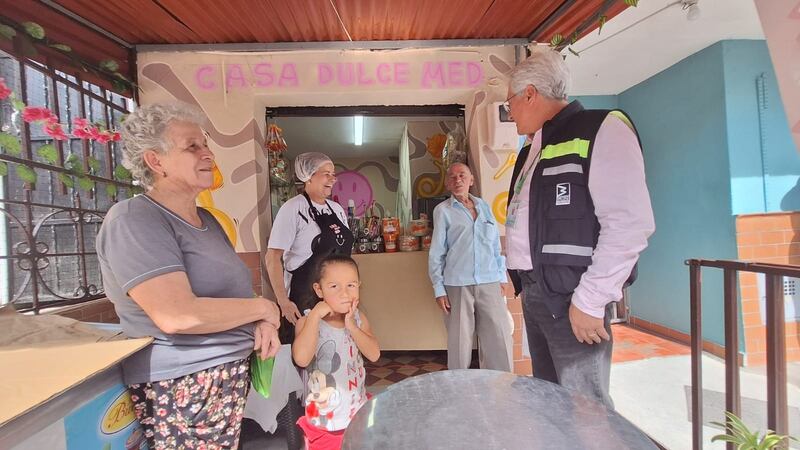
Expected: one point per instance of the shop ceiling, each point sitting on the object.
(295, 24)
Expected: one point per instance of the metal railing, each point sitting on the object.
(777, 407)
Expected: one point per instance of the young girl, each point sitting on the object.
(329, 341)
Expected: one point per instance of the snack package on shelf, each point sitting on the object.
(455, 147)
(276, 147)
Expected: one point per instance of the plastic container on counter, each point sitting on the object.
(408, 243)
(418, 227)
(426, 242)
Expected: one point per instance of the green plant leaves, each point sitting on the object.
(66, 179)
(109, 65)
(34, 30)
(62, 47)
(121, 173)
(6, 32)
(26, 173)
(48, 153)
(94, 165)
(10, 144)
(85, 183)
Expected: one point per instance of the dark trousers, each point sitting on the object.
(556, 354)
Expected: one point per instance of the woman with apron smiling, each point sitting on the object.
(307, 228)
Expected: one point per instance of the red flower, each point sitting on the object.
(55, 131)
(80, 122)
(5, 92)
(95, 133)
(103, 138)
(115, 137)
(34, 114)
(81, 133)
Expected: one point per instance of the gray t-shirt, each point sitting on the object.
(140, 240)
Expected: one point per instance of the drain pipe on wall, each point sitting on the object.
(761, 96)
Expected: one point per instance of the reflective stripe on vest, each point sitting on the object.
(576, 146)
(564, 249)
(564, 168)
(621, 116)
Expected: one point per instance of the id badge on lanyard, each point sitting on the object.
(513, 207)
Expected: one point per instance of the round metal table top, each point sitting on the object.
(487, 409)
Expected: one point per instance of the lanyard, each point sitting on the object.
(526, 171)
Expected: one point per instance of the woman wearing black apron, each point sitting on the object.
(307, 228)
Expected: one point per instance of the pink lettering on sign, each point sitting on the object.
(203, 78)
(324, 74)
(432, 74)
(288, 76)
(455, 73)
(345, 74)
(363, 78)
(474, 74)
(234, 77)
(263, 75)
(383, 73)
(401, 73)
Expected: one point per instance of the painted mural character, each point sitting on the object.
(172, 273)
(330, 340)
(307, 228)
(573, 235)
(354, 186)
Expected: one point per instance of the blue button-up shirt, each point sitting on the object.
(464, 252)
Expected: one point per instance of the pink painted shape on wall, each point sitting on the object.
(352, 185)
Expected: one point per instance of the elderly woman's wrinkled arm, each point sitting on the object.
(169, 301)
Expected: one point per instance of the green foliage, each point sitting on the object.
(10, 144)
(34, 30)
(66, 179)
(26, 173)
(48, 153)
(6, 32)
(743, 438)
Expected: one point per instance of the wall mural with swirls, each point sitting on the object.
(234, 90)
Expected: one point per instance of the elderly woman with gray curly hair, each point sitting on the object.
(172, 274)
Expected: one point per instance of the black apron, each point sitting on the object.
(334, 238)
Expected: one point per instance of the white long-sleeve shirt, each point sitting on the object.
(622, 206)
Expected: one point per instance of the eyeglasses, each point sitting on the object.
(507, 104)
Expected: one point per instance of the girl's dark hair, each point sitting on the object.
(335, 258)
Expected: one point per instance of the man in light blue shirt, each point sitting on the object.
(467, 269)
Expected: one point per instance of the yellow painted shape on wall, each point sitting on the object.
(510, 161)
(206, 201)
(227, 224)
(499, 206)
(428, 187)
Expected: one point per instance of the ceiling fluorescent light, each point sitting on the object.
(358, 129)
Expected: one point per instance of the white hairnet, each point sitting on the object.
(307, 163)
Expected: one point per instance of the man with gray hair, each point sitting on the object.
(578, 216)
(467, 269)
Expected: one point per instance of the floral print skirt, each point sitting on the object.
(202, 410)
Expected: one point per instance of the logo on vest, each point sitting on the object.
(562, 194)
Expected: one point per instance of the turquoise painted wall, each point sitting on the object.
(681, 117)
(764, 163)
(598, 101)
